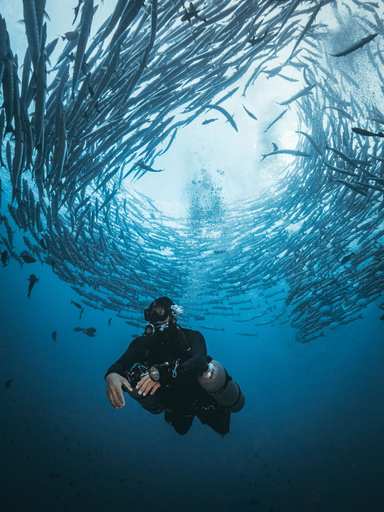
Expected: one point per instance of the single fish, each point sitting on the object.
(250, 113)
(78, 329)
(298, 95)
(8, 383)
(32, 31)
(190, 13)
(289, 79)
(76, 9)
(71, 36)
(142, 165)
(27, 257)
(307, 26)
(54, 336)
(90, 330)
(292, 152)
(76, 304)
(40, 100)
(86, 22)
(343, 156)
(355, 46)
(346, 258)
(207, 121)
(32, 281)
(277, 119)
(256, 40)
(366, 133)
(4, 258)
(353, 187)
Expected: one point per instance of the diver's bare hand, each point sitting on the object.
(115, 395)
(146, 385)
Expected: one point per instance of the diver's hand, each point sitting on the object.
(114, 392)
(146, 385)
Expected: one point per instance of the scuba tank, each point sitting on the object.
(221, 387)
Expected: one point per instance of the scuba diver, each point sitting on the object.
(167, 370)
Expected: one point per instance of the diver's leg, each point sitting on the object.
(218, 419)
(181, 423)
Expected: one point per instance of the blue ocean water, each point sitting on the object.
(310, 437)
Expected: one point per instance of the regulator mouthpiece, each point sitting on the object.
(149, 330)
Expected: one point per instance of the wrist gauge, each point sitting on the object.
(154, 374)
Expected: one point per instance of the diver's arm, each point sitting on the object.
(114, 377)
(197, 363)
(115, 395)
(147, 385)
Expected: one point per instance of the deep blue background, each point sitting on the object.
(310, 437)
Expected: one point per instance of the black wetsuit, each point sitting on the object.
(182, 397)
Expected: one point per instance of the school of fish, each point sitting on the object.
(308, 251)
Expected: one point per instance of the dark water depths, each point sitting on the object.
(310, 437)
